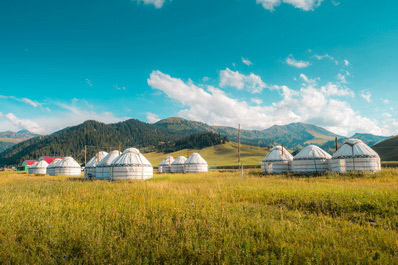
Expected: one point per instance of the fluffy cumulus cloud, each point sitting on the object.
(296, 63)
(306, 5)
(252, 83)
(22, 124)
(156, 3)
(152, 118)
(324, 106)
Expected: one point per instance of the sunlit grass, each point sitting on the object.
(203, 218)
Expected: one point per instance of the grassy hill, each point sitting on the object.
(388, 149)
(219, 155)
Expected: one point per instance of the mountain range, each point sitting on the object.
(167, 134)
(10, 138)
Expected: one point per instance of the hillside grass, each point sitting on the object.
(218, 155)
(200, 219)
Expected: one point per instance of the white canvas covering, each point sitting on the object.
(277, 161)
(131, 165)
(39, 168)
(165, 165)
(355, 155)
(52, 165)
(68, 167)
(30, 170)
(311, 159)
(103, 168)
(90, 168)
(178, 165)
(195, 164)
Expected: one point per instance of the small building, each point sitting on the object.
(178, 165)
(90, 168)
(277, 161)
(68, 167)
(49, 159)
(311, 159)
(26, 165)
(195, 164)
(103, 168)
(39, 168)
(131, 165)
(165, 165)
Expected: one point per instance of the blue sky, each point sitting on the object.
(223, 62)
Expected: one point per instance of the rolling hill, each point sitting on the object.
(10, 138)
(388, 149)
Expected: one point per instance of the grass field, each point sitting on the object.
(219, 155)
(200, 219)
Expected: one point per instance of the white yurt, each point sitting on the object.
(39, 168)
(131, 165)
(277, 161)
(178, 165)
(195, 164)
(355, 155)
(311, 159)
(52, 165)
(68, 167)
(90, 168)
(103, 168)
(165, 165)
(31, 168)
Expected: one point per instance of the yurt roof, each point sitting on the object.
(195, 158)
(276, 155)
(131, 157)
(108, 159)
(354, 148)
(42, 164)
(96, 159)
(68, 162)
(167, 161)
(34, 165)
(180, 160)
(312, 152)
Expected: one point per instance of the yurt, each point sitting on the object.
(90, 168)
(39, 168)
(131, 165)
(277, 161)
(103, 168)
(68, 167)
(195, 164)
(178, 165)
(311, 159)
(30, 169)
(51, 167)
(165, 165)
(355, 155)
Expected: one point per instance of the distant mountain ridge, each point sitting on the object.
(388, 149)
(10, 138)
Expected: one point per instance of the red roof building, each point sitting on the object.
(28, 162)
(49, 159)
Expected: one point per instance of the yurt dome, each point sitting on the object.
(277, 161)
(355, 155)
(178, 165)
(89, 169)
(103, 168)
(165, 165)
(311, 159)
(131, 165)
(68, 167)
(39, 168)
(51, 167)
(31, 168)
(195, 164)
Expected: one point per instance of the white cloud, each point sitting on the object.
(89, 83)
(366, 95)
(388, 115)
(342, 78)
(346, 62)
(156, 3)
(386, 101)
(312, 82)
(306, 5)
(252, 83)
(308, 104)
(257, 101)
(295, 63)
(331, 89)
(152, 118)
(23, 124)
(246, 61)
(326, 56)
(119, 87)
(24, 100)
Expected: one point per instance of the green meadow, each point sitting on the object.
(217, 217)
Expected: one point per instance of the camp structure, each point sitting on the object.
(51, 167)
(277, 161)
(103, 168)
(195, 164)
(311, 159)
(178, 165)
(355, 155)
(165, 165)
(26, 165)
(90, 168)
(39, 168)
(30, 169)
(68, 167)
(131, 165)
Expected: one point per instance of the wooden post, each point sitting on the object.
(85, 155)
(337, 143)
(239, 162)
(118, 147)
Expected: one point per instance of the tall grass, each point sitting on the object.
(204, 218)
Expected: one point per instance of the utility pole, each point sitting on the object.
(337, 143)
(118, 147)
(85, 155)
